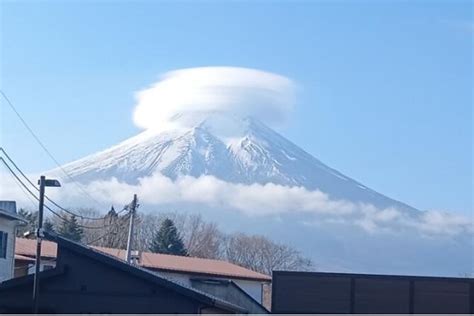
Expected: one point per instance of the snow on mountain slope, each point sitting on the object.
(231, 148)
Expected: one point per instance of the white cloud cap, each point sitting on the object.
(243, 91)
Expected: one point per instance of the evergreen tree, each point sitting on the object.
(70, 229)
(167, 240)
(48, 226)
(31, 222)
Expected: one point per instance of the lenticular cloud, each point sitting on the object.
(243, 91)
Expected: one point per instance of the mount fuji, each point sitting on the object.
(231, 148)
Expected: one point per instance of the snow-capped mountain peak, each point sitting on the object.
(231, 148)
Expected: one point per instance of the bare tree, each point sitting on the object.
(263, 255)
(106, 232)
(112, 234)
(31, 218)
(202, 239)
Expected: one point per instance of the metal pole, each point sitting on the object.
(39, 236)
(130, 229)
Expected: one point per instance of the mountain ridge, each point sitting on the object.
(231, 148)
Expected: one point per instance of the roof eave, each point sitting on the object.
(226, 276)
(12, 216)
(7, 284)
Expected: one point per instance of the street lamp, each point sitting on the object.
(43, 182)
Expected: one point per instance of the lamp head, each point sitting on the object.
(50, 183)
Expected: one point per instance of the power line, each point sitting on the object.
(33, 185)
(96, 240)
(24, 187)
(99, 238)
(46, 206)
(107, 233)
(65, 219)
(44, 147)
(23, 190)
(18, 179)
(80, 225)
(47, 198)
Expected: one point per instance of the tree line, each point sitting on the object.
(177, 234)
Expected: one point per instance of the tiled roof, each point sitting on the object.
(211, 267)
(190, 265)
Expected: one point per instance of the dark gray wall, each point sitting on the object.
(310, 292)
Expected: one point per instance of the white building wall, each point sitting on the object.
(7, 264)
(252, 288)
(181, 278)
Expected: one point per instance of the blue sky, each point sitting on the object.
(386, 87)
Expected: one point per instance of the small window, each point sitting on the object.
(3, 244)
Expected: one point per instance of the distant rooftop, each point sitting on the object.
(217, 268)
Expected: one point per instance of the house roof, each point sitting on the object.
(127, 268)
(11, 216)
(169, 263)
(27, 247)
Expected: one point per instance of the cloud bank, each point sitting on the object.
(243, 91)
(255, 200)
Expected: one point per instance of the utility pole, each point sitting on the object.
(133, 208)
(43, 182)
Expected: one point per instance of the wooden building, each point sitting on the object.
(340, 293)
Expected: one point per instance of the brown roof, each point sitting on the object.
(27, 247)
